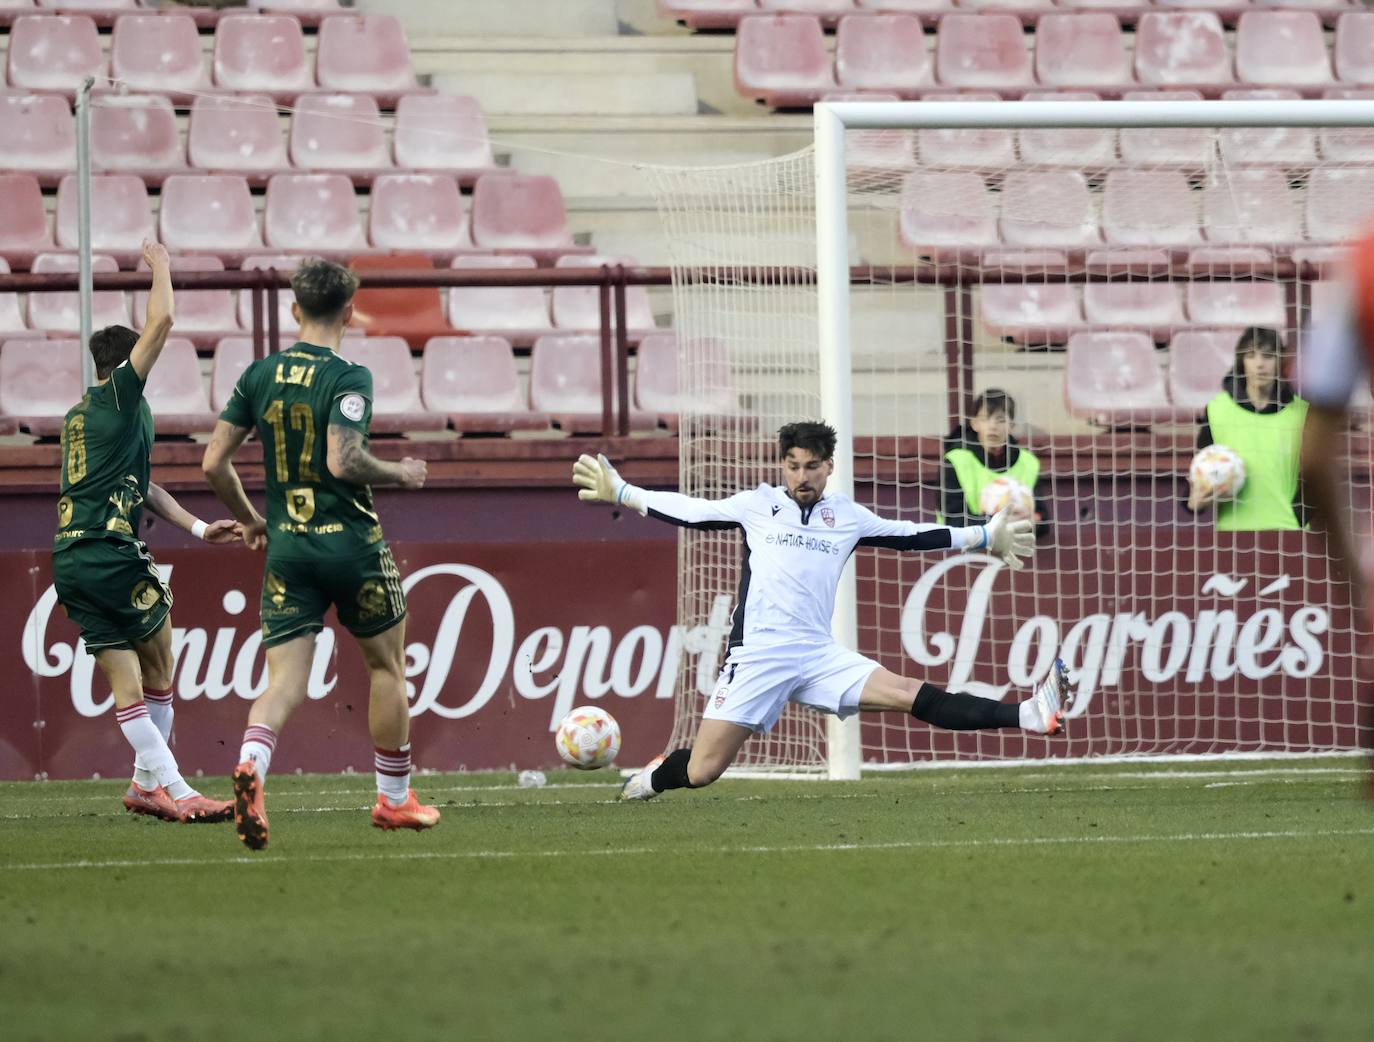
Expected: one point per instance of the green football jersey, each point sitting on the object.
(107, 443)
(290, 399)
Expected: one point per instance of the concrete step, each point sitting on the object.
(529, 17)
(516, 91)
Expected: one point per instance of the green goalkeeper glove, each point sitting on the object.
(599, 482)
(1004, 538)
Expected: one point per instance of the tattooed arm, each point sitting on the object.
(349, 460)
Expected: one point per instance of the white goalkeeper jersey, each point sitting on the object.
(793, 556)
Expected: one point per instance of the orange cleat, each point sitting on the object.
(250, 818)
(153, 802)
(412, 814)
(202, 810)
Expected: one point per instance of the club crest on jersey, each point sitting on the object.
(828, 516)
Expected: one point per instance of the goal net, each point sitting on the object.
(1061, 309)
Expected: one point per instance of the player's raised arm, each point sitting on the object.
(158, 322)
(164, 505)
(1003, 537)
(599, 482)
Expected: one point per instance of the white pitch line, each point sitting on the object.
(812, 848)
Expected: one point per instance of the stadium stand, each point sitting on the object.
(232, 356)
(136, 135)
(565, 382)
(521, 213)
(237, 134)
(39, 381)
(24, 229)
(984, 148)
(1112, 378)
(579, 308)
(415, 313)
(1085, 149)
(340, 133)
(365, 53)
(1081, 50)
(781, 60)
(176, 393)
(1182, 49)
(261, 54)
(1155, 308)
(519, 314)
(1198, 359)
(1029, 314)
(53, 53)
(11, 320)
(39, 135)
(473, 380)
(159, 53)
(1251, 206)
(419, 213)
(1282, 146)
(60, 312)
(1048, 208)
(209, 214)
(1281, 48)
(396, 405)
(882, 53)
(983, 52)
(1347, 144)
(443, 133)
(204, 316)
(121, 215)
(283, 262)
(312, 213)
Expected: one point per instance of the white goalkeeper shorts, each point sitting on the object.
(757, 682)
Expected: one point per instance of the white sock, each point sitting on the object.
(258, 742)
(160, 710)
(393, 773)
(150, 750)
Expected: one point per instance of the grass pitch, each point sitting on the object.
(1216, 901)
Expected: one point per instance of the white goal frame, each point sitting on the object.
(834, 119)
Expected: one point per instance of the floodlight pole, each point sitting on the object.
(83, 223)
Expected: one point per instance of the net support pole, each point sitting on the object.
(83, 224)
(843, 759)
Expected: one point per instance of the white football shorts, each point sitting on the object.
(758, 681)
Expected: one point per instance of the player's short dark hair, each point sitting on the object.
(109, 347)
(809, 435)
(323, 289)
(994, 400)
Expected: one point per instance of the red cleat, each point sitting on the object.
(249, 816)
(202, 810)
(412, 814)
(153, 802)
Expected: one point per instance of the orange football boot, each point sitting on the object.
(412, 814)
(154, 802)
(250, 818)
(202, 810)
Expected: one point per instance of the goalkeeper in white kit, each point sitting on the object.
(797, 539)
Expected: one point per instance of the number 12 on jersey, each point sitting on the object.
(302, 419)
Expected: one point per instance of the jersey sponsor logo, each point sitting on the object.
(146, 594)
(353, 406)
(828, 516)
(803, 542)
(64, 511)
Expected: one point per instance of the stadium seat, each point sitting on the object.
(1353, 51)
(579, 307)
(1281, 49)
(946, 214)
(209, 213)
(1210, 261)
(1339, 200)
(1267, 146)
(339, 132)
(1185, 147)
(781, 60)
(1182, 49)
(175, 391)
(1048, 208)
(24, 228)
(474, 381)
(39, 135)
(988, 148)
(1138, 260)
(1030, 313)
(261, 54)
(396, 404)
(982, 52)
(1113, 378)
(1347, 144)
(443, 133)
(203, 315)
(1198, 359)
(707, 14)
(11, 319)
(39, 381)
(519, 314)
(120, 216)
(1251, 206)
(60, 312)
(233, 354)
(419, 213)
(159, 53)
(1155, 308)
(285, 264)
(53, 53)
(237, 134)
(565, 382)
(523, 214)
(1081, 50)
(365, 54)
(136, 135)
(657, 390)
(1236, 303)
(875, 153)
(883, 53)
(1149, 208)
(413, 312)
(312, 213)
(1086, 148)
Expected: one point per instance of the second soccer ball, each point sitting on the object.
(588, 738)
(1010, 493)
(1218, 472)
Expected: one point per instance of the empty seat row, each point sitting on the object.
(310, 12)
(782, 60)
(242, 134)
(253, 53)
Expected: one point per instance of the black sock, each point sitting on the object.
(672, 772)
(956, 711)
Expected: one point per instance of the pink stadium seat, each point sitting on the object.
(1085, 148)
(176, 391)
(419, 213)
(53, 52)
(876, 152)
(579, 308)
(1235, 303)
(233, 354)
(781, 60)
(1149, 208)
(1282, 48)
(237, 134)
(1340, 201)
(396, 405)
(565, 382)
(982, 52)
(1113, 378)
(11, 321)
(203, 315)
(365, 53)
(474, 381)
(312, 213)
(1353, 52)
(1154, 307)
(39, 381)
(136, 135)
(120, 216)
(1132, 260)
(1210, 261)
(1198, 359)
(1048, 208)
(1031, 313)
(342, 132)
(946, 214)
(23, 220)
(443, 133)
(707, 14)
(285, 264)
(520, 314)
(979, 148)
(209, 213)
(658, 392)
(1276, 146)
(261, 54)
(1188, 147)
(158, 53)
(1251, 206)
(882, 52)
(520, 213)
(1081, 50)
(39, 135)
(1182, 49)
(60, 312)
(1347, 144)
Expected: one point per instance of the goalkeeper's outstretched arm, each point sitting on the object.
(1000, 536)
(599, 482)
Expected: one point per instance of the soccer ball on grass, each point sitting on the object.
(1217, 472)
(588, 738)
(1010, 493)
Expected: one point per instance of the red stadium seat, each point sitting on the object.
(1182, 49)
(1198, 359)
(876, 152)
(158, 53)
(1347, 144)
(419, 213)
(946, 213)
(985, 148)
(579, 307)
(285, 264)
(261, 54)
(203, 315)
(1149, 208)
(1353, 52)
(883, 53)
(237, 134)
(1267, 146)
(39, 135)
(781, 60)
(982, 52)
(1282, 49)
(60, 312)
(11, 321)
(1340, 200)
(707, 14)
(365, 53)
(1154, 307)
(209, 213)
(136, 135)
(519, 314)
(339, 132)
(39, 381)
(1186, 147)
(233, 354)
(474, 381)
(175, 391)
(1048, 208)
(1086, 148)
(54, 53)
(565, 382)
(1236, 303)
(396, 405)
(1113, 378)
(120, 216)
(1253, 206)
(413, 312)
(24, 228)
(1081, 50)
(524, 214)
(443, 133)
(1030, 313)
(312, 213)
